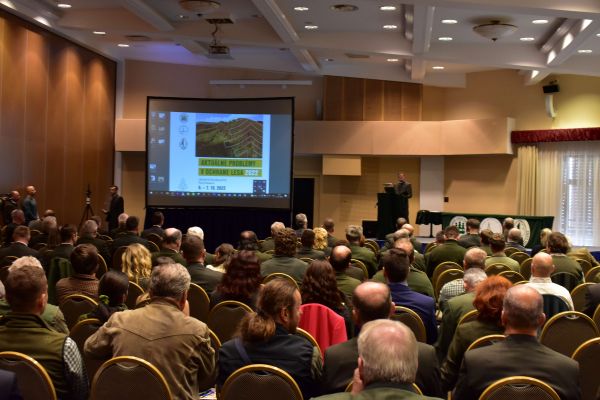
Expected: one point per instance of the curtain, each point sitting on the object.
(549, 182)
(527, 166)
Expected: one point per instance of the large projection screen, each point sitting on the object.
(219, 152)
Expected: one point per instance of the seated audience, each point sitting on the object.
(329, 226)
(387, 363)
(267, 337)
(507, 224)
(68, 237)
(249, 241)
(515, 240)
(49, 237)
(121, 228)
(11, 203)
(194, 252)
(241, 281)
(285, 260)
(84, 260)
(558, 246)
(544, 233)
(17, 218)
(498, 245)
(130, 235)
(489, 296)
(486, 235)
(24, 331)
(157, 219)
(319, 286)
(519, 354)
(137, 265)
(112, 293)
(307, 249)
(474, 258)
(98, 220)
(321, 242)
(396, 266)
(269, 243)
(450, 250)
(354, 237)
(223, 254)
(417, 246)
(345, 274)
(389, 238)
(18, 247)
(541, 270)
(300, 224)
(471, 238)
(197, 231)
(372, 301)
(170, 247)
(51, 314)
(88, 234)
(183, 354)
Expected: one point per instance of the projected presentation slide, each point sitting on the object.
(219, 159)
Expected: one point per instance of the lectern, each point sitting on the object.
(390, 207)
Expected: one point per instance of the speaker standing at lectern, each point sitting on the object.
(403, 188)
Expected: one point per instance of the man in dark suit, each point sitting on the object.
(396, 264)
(520, 353)
(19, 247)
(170, 247)
(450, 250)
(371, 301)
(306, 250)
(592, 299)
(131, 235)
(354, 235)
(11, 203)
(116, 207)
(157, 219)
(8, 386)
(471, 238)
(68, 237)
(194, 252)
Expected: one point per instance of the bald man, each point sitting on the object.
(371, 301)
(542, 268)
(170, 247)
(519, 354)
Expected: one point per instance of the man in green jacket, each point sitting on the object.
(353, 235)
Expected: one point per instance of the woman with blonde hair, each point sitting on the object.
(321, 241)
(137, 264)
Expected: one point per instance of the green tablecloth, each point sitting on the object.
(530, 226)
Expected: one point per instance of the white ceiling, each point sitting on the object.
(270, 35)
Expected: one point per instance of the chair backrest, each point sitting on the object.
(519, 256)
(154, 238)
(510, 251)
(596, 316)
(468, 317)
(578, 296)
(309, 337)
(585, 265)
(445, 277)
(133, 293)
(129, 378)
(102, 267)
(553, 305)
(411, 319)
(307, 260)
(495, 269)
(565, 279)
(568, 330)
(74, 306)
(519, 388)
(34, 232)
(199, 302)
(525, 268)
(441, 267)
(58, 269)
(592, 275)
(258, 381)
(117, 262)
(486, 341)
(7, 260)
(373, 246)
(324, 324)
(33, 380)
(587, 355)
(225, 317)
(40, 246)
(104, 237)
(512, 276)
(281, 275)
(153, 247)
(360, 265)
(79, 333)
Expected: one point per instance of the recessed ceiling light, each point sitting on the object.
(301, 8)
(329, 59)
(390, 27)
(99, 33)
(597, 34)
(449, 21)
(393, 60)
(311, 27)
(445, 38)
(123, 45)
(42, 21)
(526, 39)
(539, 21)
(7, 3)
(63, 5)
(438, 67)
(387, 8)
(584, 51)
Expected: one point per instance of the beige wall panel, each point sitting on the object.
(373, 101)
(333, 98)
(392, 101)
(341, 165)
(133, 190)
(353, 99)
(412, 95)
(433, 103)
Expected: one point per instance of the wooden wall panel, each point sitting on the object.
(57, 103)
(357, 99)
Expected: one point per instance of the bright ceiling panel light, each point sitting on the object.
(123, 45)
(393, 60)
(526, 39)
(7, 3)
(389, 27)
(438, 67)
(445, 38)
(584, 51)
(42, 21)
(99, 33)
(311, 27)
(63, 5)
(539, 21)
(449, 21)
(388, 8)
(301, 8)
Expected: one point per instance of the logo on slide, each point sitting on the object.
(525, 229)
(492, 224)
(460, 222)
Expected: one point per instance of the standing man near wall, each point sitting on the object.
(30, 205)
(116, 207)
(404, 190)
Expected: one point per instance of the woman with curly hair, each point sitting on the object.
(241, 281)
(489, 297)
(137, 264)
(319, 286)
(321, 241)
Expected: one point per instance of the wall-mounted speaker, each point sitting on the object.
(552, 88)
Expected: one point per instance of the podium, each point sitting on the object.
(390, 207)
